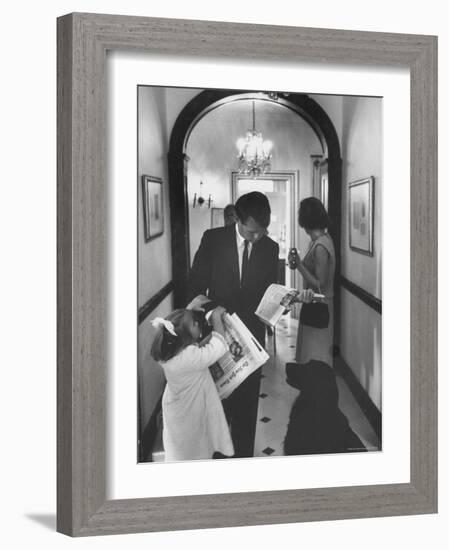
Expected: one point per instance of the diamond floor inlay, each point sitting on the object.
(268, 451)
(273, 414)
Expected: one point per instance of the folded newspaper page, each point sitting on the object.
(245, 355)
(275, 301)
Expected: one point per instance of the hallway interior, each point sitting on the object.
(276, 397)
(324, 146)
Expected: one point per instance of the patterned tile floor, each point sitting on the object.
(276, 397)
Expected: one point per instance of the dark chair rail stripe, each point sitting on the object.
(154, 301)
(363, 295)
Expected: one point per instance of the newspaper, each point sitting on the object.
(245, 355)
(275, 301)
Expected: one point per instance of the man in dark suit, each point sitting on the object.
(234, 265)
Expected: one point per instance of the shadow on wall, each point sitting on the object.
(46, 520)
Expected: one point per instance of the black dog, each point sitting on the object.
(316, 423)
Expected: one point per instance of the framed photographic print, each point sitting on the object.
(270, 427)
(109, 383)
(153, 209)
(361, 205)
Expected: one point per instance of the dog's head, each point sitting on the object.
(315, 380)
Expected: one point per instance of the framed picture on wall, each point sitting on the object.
(102, 489)
(361, 220)
(153, 211)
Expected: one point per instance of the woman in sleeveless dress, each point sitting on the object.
(317, 269)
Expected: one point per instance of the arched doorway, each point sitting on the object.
(301, 104)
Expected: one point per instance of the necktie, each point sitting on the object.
(245, 260)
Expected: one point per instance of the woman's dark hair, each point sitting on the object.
(312, 214)
(254, 205)
(165, 345)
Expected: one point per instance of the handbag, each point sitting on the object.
(315, 314)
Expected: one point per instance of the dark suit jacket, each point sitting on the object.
(215, 273)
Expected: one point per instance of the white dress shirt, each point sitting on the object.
(241, 248)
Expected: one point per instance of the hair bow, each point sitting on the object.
(159, 321)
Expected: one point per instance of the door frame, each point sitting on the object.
(293, 178)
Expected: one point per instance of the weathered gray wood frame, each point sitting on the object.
(83, 40)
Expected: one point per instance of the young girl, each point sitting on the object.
(195, 425)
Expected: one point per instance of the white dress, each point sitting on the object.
(194, 423)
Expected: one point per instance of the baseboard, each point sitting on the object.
(372, 413)
(364, 401)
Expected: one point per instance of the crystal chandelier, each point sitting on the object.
(254, 153)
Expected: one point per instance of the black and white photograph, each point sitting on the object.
(233, 331)
(153, 213)
(259, 320)
(361, 215)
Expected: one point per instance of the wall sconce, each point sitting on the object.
(199, 201)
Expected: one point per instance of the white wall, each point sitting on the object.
(154, 259)
(362, 157)
(153, 148)
(29, 460)
(361, 344)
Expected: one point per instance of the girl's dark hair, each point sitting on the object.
(312, 214)
(254, 205)
(165, 345)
